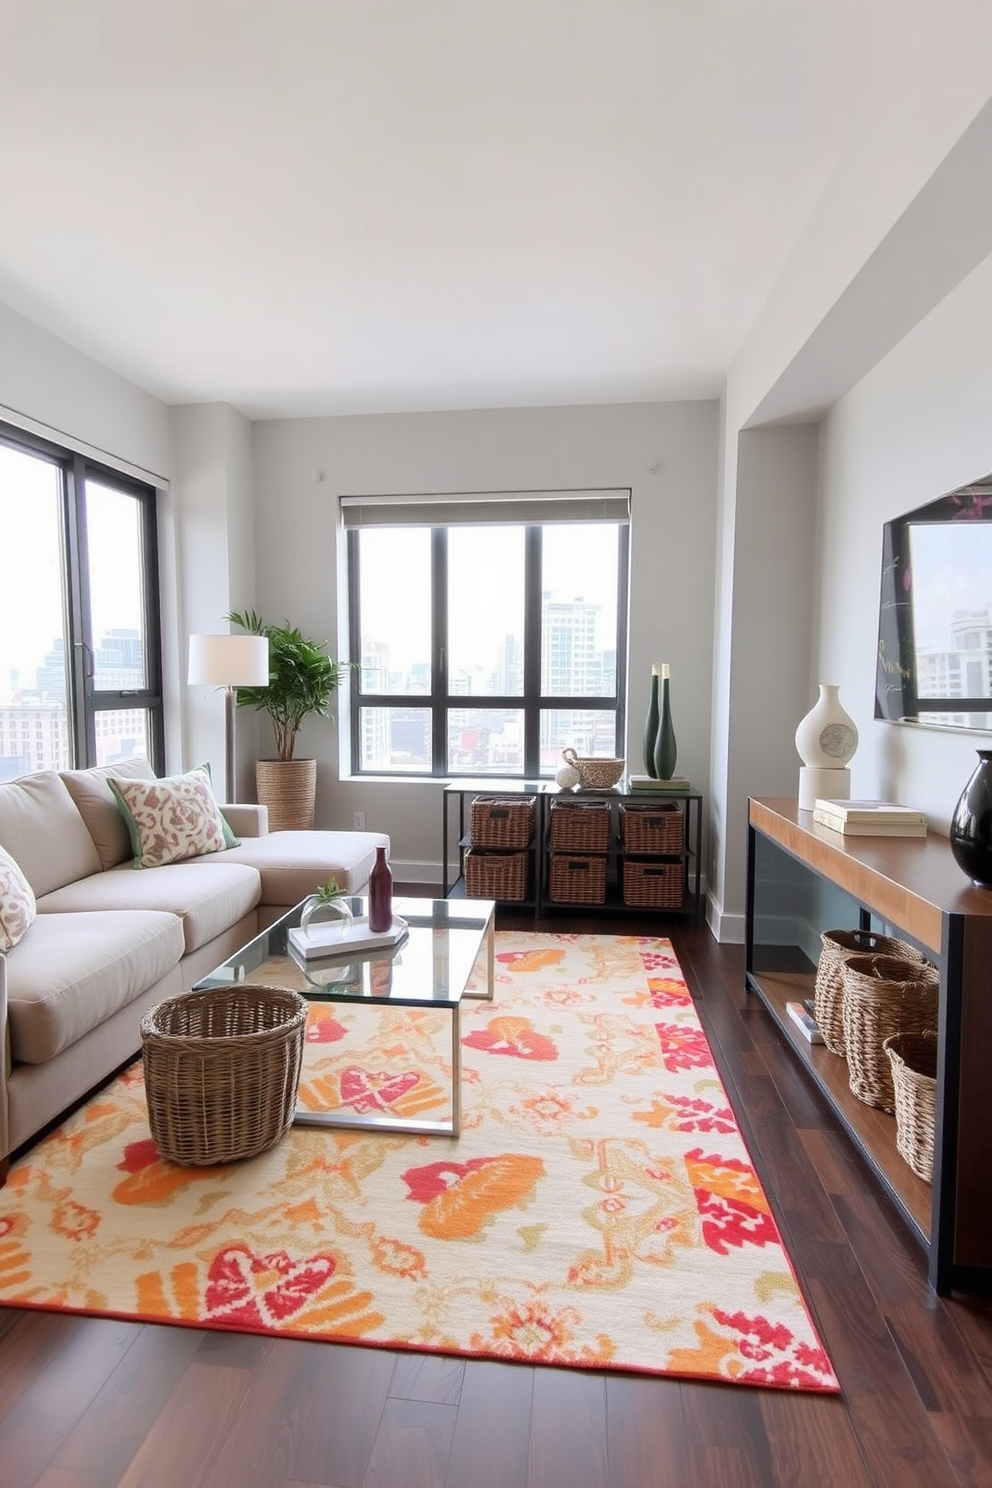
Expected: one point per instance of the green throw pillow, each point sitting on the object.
(172, 819)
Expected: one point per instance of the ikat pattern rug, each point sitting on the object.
(598, 1211)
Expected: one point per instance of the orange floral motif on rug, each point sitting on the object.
(599, 1209)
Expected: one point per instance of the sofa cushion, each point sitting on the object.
(294, 864)
(42, 830)
(172, 819)
(206, 900)
(97, 805)
(17, 903)
(74, 970)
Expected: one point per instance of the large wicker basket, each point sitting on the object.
(883, 995)
(579, 826)
(577, 878)
(496, 875)
(502, 821)
(595, 774)
(913, 1058)
(839, 946)
(655, 827)
(222, 1068)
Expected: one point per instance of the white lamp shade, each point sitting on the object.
(229, 660)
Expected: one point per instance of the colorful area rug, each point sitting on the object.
(599, 1210)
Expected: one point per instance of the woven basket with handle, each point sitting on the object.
(883, 995)
(502, 821)
(595, 774)
(222, 1069)
(828, 992)
(913, 1057)
(579, 826)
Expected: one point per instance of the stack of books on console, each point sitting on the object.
(802, 1015)
(870, 818)
(649, 783)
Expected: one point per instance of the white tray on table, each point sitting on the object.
(325, 939)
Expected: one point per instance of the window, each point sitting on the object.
(490, 631)
(80, 669)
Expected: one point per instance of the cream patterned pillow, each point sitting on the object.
(173, 818)
(17, 902)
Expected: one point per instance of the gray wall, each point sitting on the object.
(302, 465)
(917, 426)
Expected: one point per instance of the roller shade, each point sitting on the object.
(485, 508)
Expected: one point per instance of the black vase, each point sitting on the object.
(971, 824)
(665, 749)
(651, 728)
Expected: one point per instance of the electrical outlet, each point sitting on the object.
(358, 821)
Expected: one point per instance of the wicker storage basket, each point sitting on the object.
(222, 1069)
(502, 821)
(654, 885)
(577, 878)
(913, 1059)
(580, 826)
(657, 827)
(493, 875)
(828, 991)
(883, 995)
(594, 774)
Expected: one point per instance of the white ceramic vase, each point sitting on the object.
(827, 737)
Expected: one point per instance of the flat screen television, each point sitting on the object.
(934, 663)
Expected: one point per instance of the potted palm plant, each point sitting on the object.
(302, 680)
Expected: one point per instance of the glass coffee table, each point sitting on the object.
(429, 968)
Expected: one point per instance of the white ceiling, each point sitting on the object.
(345, 206)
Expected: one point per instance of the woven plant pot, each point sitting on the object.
(222, 1069)
(289, 789)
(913, 1059)
(828, 993)
(883, 995)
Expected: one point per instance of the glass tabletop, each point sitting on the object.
(430, 966)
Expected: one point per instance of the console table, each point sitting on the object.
(802, 879)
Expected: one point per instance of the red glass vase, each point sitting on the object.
(380, 894)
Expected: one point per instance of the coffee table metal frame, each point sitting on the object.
(429, 967)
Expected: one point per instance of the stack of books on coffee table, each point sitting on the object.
(870, 818)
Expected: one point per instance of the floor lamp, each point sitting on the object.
(229, 661)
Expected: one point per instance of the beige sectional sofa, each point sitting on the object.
(110, 940)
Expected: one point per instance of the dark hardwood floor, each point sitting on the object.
(90, 1403)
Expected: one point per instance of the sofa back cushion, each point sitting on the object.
(97, 805)
(42, 830)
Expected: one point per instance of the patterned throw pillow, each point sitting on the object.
(17, 903)
(173, 818)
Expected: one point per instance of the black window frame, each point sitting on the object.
(898, 698)
(83, 702)
(441, 701)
